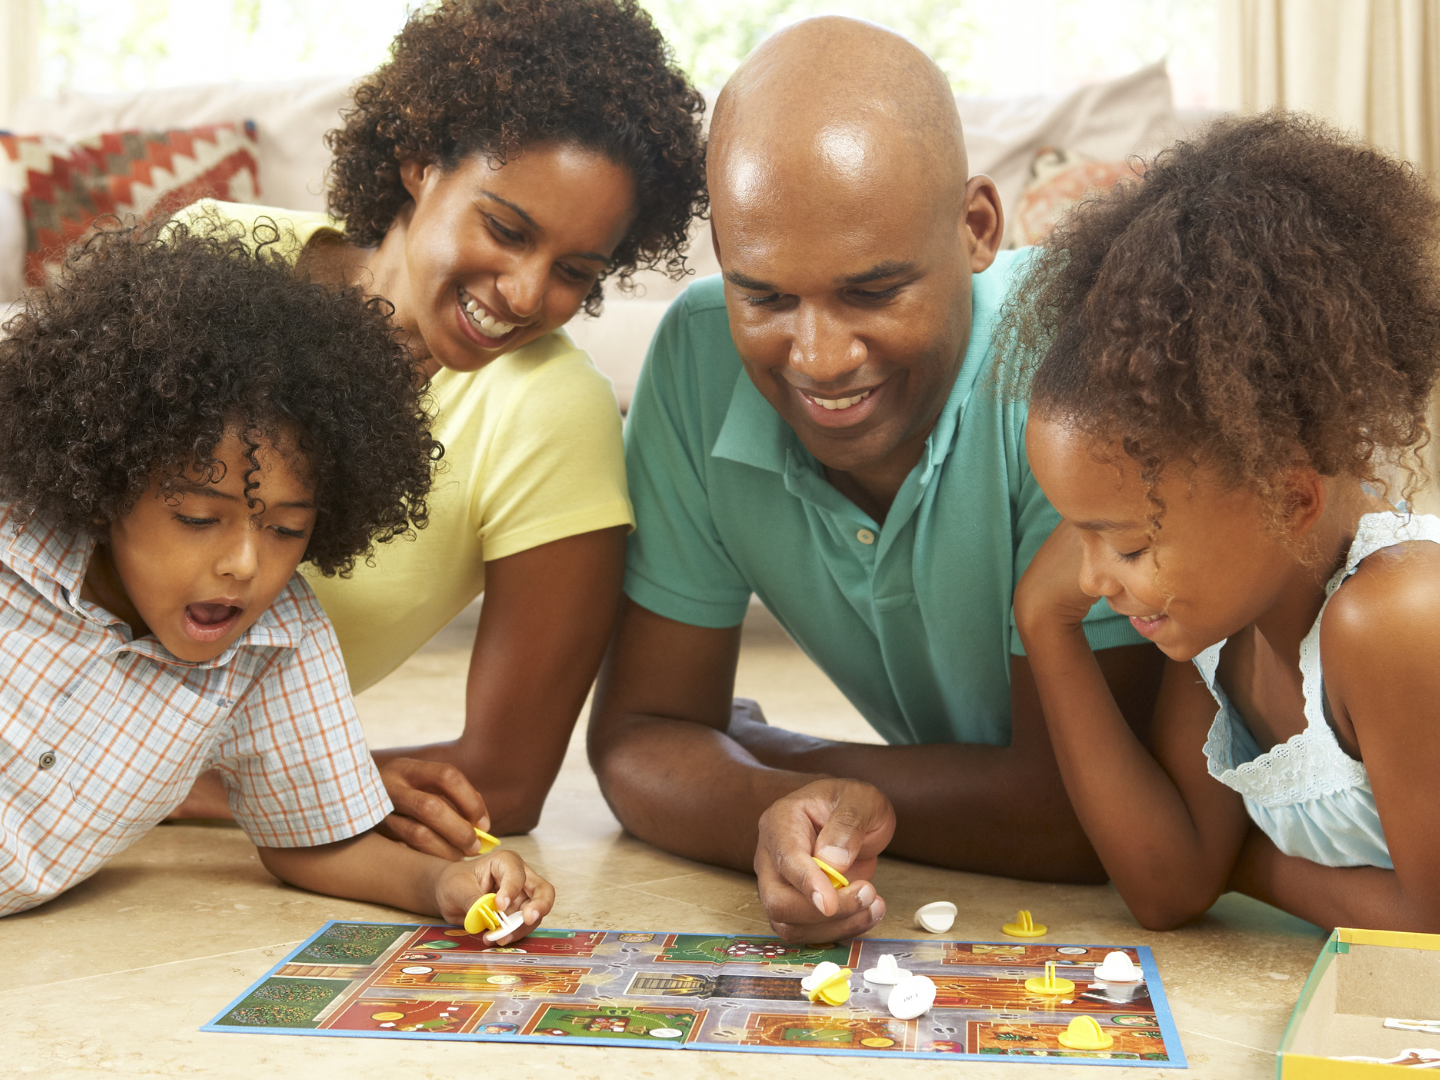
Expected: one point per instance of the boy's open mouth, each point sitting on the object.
(210, 621)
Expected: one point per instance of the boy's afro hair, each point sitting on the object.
(1266, 295)
(490, 77)
(152, 344)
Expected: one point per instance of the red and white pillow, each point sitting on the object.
(64, 185)
(1059, 180)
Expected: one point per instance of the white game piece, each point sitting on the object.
(1117, 967)
(508, 925)
(937, 917)
(886, 971)
(911, 997)
(823, 971)
(666, 1033)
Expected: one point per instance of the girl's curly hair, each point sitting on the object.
(154, 343)
(489, 77)
(1263, 296)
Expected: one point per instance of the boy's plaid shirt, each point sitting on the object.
(101, 736)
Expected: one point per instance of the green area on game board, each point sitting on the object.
(620, 1022)
(286, 1003)
(352, 943)
(714, 949)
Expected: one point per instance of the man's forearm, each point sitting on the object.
(689, 789)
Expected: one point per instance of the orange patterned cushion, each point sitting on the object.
(65, 185)
(1060, 179)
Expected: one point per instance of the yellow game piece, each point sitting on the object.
(1025, 926)
(488, 843)
(834, 990)
(837, 879)
(482, 915)
(387, 1016)
(1085, 1034)
(1048, 984)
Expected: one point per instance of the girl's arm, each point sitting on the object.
(1380, 640)
(546, 619)
(370, 867)
(1166, 832)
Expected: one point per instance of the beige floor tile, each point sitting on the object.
(116, 977)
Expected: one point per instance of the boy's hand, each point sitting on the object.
(516, 887)
(1049, 591)
(436, 808)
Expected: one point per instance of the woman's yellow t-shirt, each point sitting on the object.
(533, 454)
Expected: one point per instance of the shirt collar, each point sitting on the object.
(53, 562)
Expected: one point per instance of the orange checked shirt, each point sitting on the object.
(101, 735)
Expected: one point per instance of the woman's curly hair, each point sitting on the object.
(153, 344)
(489, 77)
(1263, 296)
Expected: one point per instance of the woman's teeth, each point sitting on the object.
(486, 323)
(832, 404)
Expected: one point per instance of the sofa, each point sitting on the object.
(1006, 138)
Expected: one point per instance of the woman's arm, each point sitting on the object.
(1166, 832)
(547, 616)
(370, 867)
(1379, 640)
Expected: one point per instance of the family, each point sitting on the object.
(1070, 526)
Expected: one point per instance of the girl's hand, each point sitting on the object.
(1049, 592)
(516, 887)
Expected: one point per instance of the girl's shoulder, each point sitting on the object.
(1388, 610)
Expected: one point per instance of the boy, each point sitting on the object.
(182, 423)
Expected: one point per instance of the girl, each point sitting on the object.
(507, 158)
(1231, 354)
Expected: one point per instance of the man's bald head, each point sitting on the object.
(842, 100)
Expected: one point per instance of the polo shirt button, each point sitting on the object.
(865, 536)
(47, 759)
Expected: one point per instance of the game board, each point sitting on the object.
(697, 992)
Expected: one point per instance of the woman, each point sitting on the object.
(510, 156)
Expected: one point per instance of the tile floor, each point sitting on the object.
(116, 977)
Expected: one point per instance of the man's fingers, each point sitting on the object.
(446, 780)
(838, 928)
(858, 820)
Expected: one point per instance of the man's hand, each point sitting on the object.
(514, 882)
(847, 823)
(436, 809)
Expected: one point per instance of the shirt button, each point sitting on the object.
(47, 759)
(865, 536)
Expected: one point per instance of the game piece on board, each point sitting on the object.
(937, 917)
(1117, 968)
(1024, 926)
(823, 971)
(886, 972)
(488, 843)
(509, 923)
(911, 997)
(1048, 984)
(834, 989)
(1429, 1027)
(482, 915)
(1085, 1033)
(837, 879)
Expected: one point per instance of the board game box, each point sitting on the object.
(698, 992)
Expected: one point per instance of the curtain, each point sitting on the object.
(19, 53)
(1371, 66)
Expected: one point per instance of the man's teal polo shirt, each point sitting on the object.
(911, 619)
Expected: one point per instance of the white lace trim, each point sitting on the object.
(1311, 764)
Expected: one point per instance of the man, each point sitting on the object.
(822, 428)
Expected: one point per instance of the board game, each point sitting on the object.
(698, 992)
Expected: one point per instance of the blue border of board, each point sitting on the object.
(1170, 1034)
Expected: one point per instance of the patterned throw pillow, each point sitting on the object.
(1060, 179)
(65, 185)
